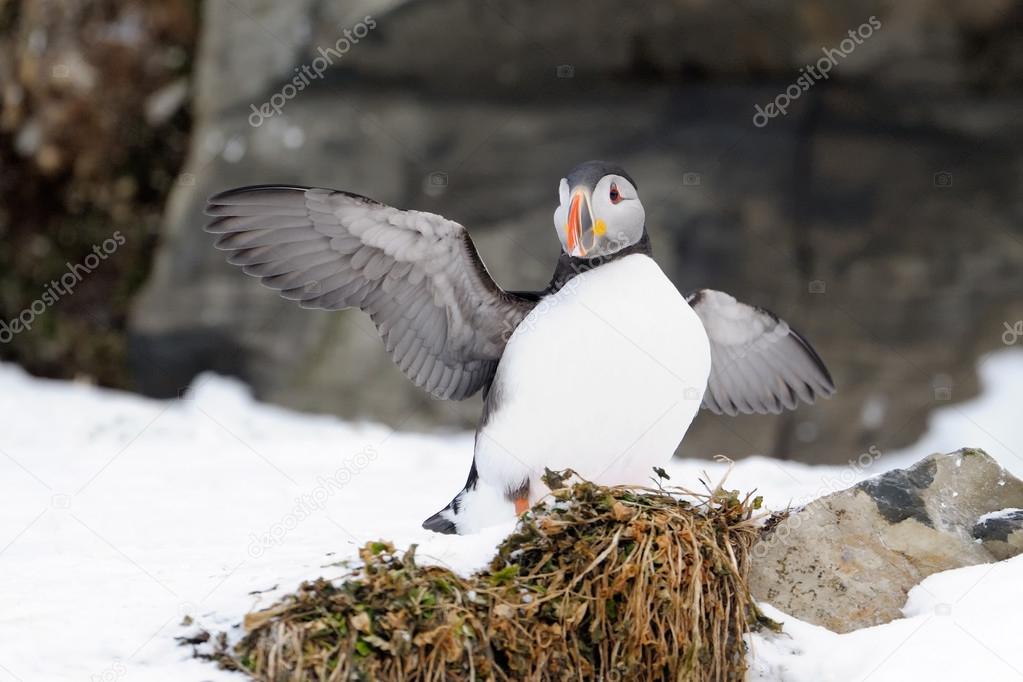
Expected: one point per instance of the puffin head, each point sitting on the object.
(599, 212)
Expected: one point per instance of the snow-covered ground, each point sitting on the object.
(120, 515)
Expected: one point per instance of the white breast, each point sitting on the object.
(603, 377)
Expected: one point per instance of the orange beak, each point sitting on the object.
(574, 228)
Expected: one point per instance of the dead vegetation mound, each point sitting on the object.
(619, 583)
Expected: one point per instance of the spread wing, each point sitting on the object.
(758, 363)
(418, 275)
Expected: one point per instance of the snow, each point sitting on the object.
(122, 514)
(1007, 513)
(959, 625)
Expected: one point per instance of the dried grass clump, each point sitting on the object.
(619, 583)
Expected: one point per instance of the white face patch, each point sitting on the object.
(617, 218)
(624, 219)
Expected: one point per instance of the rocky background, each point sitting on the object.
(881, 215)
(94, 128)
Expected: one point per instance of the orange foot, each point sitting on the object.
(521, 505)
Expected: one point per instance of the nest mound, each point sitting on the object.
(617, 583)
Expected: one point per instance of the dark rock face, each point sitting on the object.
(878, 216)
(848, 560)
(1001, 532)
(898, 493)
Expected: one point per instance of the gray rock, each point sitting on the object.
(1001, 532)
(848, 560)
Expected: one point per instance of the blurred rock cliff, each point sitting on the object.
(880, 214)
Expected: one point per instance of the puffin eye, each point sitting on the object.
(615, 196)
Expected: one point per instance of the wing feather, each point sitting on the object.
(758, 363)
(417, 275)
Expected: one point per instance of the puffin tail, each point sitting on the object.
(476, 506)
(441, 522)
(445, 521)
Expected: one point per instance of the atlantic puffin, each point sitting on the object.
(601, 372)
